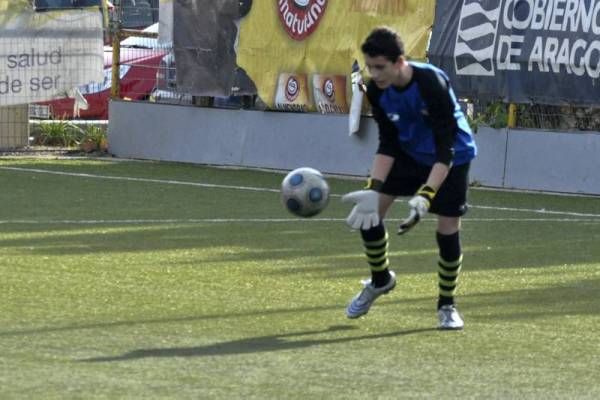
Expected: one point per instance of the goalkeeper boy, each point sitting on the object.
(425, 150)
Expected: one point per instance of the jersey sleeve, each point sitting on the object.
(435, 92)
(388, 140)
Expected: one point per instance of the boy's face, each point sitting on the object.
(384, 72)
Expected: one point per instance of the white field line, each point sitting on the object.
(145, 180)
(259, 220)
(259, 189)
(538, 211)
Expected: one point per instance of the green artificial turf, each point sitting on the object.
(163, 286)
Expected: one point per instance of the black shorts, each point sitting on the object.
(407, 176)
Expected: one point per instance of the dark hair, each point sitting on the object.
(383, 41)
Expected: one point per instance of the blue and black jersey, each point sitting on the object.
(422, 119)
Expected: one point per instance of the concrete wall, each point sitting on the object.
(518, 159)
(240, 137)
(567, 162)
(488, 168)
(563, 162)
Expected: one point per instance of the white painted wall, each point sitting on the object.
(517, 159)
(239, 137)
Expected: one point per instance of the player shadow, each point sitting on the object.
(570, 298)
(259, 344)
(123, 238)
(573, 298)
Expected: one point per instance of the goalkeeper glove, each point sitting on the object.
(365, 213)
(419, 205)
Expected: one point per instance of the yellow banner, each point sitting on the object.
(322, 36)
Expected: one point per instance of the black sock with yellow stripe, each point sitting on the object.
(375, 241)
(449, 266)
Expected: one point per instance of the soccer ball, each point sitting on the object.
(304, 192)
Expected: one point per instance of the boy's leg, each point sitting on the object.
(375, 242)
(448, 240)
(450, 262)
(450, 204)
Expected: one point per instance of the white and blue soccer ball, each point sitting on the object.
(304, 192)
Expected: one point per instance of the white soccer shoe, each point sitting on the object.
(449, 318)
(361, 303)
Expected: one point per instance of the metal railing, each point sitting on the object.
(118, 36)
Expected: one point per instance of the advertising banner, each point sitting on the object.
(205, 36)
(226, 47)
(329, 93)
(323, 38)
(44, 54)
(292, 93)
(522, 51)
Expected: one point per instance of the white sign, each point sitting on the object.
(44, 54)
(165, 21)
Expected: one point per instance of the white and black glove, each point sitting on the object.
(419, 206)
(365, 213)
